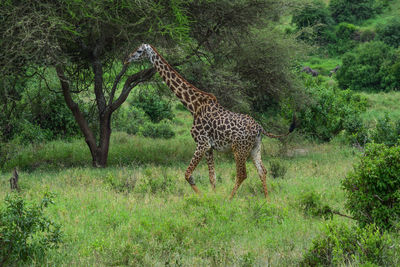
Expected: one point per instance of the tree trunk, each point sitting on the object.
(99, 152)
(101, 156)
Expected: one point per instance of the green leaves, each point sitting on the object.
(25, 232)
(373, 187)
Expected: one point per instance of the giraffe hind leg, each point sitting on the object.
(262, 171)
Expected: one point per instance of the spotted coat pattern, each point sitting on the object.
(214, 127)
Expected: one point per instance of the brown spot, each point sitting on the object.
(174, 83)
(173, 75)
(186, 96)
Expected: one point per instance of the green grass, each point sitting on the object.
(148, 214)
(140, 211)
(322, 65)
(381, 103)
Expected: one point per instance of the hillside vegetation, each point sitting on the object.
(333, 183)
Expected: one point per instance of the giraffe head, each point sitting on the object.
(142, 51)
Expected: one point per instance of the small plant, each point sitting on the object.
(373, 188)
(157, 130)
(277, 169)
(25, 232)
(312, 205)
(154, 105)
(386, 131)
(121, 184)
(339, 245)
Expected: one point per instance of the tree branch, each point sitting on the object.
(131, 82)
(116, 82)
(98, 85)
(80, 119)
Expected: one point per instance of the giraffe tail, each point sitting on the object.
(291, 128)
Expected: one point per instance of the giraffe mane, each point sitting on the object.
(180, 76)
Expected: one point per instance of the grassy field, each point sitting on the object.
(143, 212)
(140, 211)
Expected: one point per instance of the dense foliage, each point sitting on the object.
(328, 111)
(314, 16)
(152, 103)
(389, 32)
(26, 234)
(372, 189)
(340, 245)
(352, 11)
(372, 66)
(85, 41)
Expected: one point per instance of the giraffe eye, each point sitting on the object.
(139, 51)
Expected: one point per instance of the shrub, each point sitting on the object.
(344, 38)
(329, 108)
(277, 169)
(313, 14)
(152, 104)
(352, 11)
(129, 119)
(356, 132)
(25, 232)
(373, 188)
(312, 205)
(369, 67)
(157, 130)
(339, 245)
(367, 35)
(386, 131)
(389, 32)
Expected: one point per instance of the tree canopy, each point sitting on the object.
(82, 44)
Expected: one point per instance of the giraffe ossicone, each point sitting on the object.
(214, 127)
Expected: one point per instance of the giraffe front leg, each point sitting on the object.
(198, 154)
(211, 168)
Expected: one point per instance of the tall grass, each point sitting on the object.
(147, 215)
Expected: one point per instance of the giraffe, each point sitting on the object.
(214, 127)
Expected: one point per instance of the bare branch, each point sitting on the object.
(131, 82)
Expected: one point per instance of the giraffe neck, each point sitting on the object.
(190, 96)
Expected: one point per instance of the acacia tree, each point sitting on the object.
(81, 40)
(83, 43)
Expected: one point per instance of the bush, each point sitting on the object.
(328, 110)
(352, 11)
(339, 245)
(35, 114)
(152, 103)
(277, 169)
(386, 131)
(369, 67)
(25, 232)
(389, 33)
(312, 205)
(344, 38)
(311, 14)
(373, 188)
(129, 119)
(159, 130)
(356, 132)
(367, 35)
